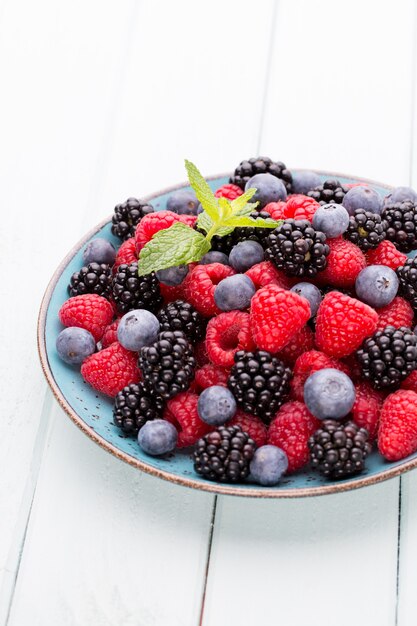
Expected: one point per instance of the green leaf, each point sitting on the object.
(202, 191)
(177, 245)
(224, 230)
(239, 203)
(226, 208)
(244, 220)
(247, 209)
(204, 221)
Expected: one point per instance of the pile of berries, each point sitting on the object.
(281, 349)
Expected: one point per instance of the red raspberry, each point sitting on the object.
(126, 253)
(397, 313)
(200, 353)
(265, 273)
(386, 254)
(251, 425)
(210, 375)
(182, 412)
(353, 367)
(397, 435)
(307, 364)
(344, 263)
(200, 286)
(110, 334)
(111, 369)
(170, 294)
(290, 430)
(229, 191)
(300, 343)
(277, 210)
(342, 324)
(152, 223)
(367, 408)
(226, 334)
(276, 316)
(300, 207)
(410, 382)
(88, 311)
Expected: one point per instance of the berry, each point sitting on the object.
(367, 408)
(410, 382)
(342, 323)
(331, 219)
(183, 202)
(214, 256)
(388, 357)
(330, 191)
(181, 315)
(135, 405)
(329, 394)
(242, 233)
(209, 375)
(268, 187)
(401, 229)
(75, 344)
(200, 352)
(252, 425)
(290, 430)
(201, 284)
(304, 181)
(398, 313)
(260, 382)
(265, 273)
(127, 216)
(91, 312)
(158, 437)
(386, 254)
(224, 455)
(229, 191)
(99, 250)
(172, 276)
(407, 276)
(277, 210)
(305, 365)
(169, 294)
(261, 165)
(154, 222)
(92, 278)
(245, 255)
(181, 411)
(126, 254)
(311, 293)
(276, 316)
(110, 334)
(131, 291)
(297, 248)
(344, 263)
(401, 194)
(137, 329)
(234, 292)
(227, 334)
(168, 364)
(377, 285)
(366, 229)
(300, 207)
(338, 450)
(268, 465)
(362, 197)
(216, 405)
(111, 369)
(397, 435)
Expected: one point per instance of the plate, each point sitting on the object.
(92, 412)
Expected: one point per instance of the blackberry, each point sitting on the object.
(388, 357)
(261, 165)
(127, 216)
(297, 248)
(407, 275)
(181, 315)
(135, 405)
(366, 229)
(168, 364)
(91, 278)
(224, 455)
(131, 291)
(338, 450)
(330, 192)
(401, 218)
(259, 382)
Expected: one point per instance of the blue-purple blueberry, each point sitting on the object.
(304, 181)
(400, 194)
(99, 251)
(216, 405)
(331, 219)
(311, 293)
(172, 276)
(377, 285)
(158, 437)
(362, 198)
(329, 394)
(183, 202)
(268, 465)
(245, 254)
(215, 257)
(137, 329)
(234, 293)
(269, 188)
(75, 344)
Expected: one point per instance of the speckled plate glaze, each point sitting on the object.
(93, 412)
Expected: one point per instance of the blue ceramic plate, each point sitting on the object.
(93, 412)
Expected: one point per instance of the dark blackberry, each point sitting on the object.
(181, 315)
(366, 229)
(127, 216)
(297, 248)
(131, 291)
(407, 276)
(91, 278)
(168, 364)
(260, 382)
(241, 233)
(338, 450)
(135, 405)
(401, 218)
(388, 357)
(224, 455)
(331, 191)
(261, 165)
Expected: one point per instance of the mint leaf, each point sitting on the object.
(225, 208)
(244, 220)
(240, 203)
(202, 191)
(204, 221)
(247, 209)
(177, 245)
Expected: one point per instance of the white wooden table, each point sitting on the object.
(102, 100)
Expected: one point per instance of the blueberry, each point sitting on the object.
(245, 254)
(158, 437)
(268, 465)
(377, 285)
(362, 198)
(172, 276)
(215, 257)
(234, 292)
(304, 181)
(216, 405)
(399, 194)
(331, 219)
(99, 251)
(199, 209)
(269, 188)
(311, 293)
(329, 394)
(75, 344)
(137, 329)
(183, 202)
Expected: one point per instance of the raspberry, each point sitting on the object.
(277, 210)
(386, 254)
(302, 342)
(307, 364)
(265, 273)
(300, 207)
(200, 286)
(344, 263)
(111, 369)
(200, 353)
(410, 382)
(290, 430)
(276, 316)
(251, 425)
(397, 435)
(88, 311)
(110, 334)
(210, 375)
(342, 324)
(229, 191)
(353, 367)
(367, 408)
(227, 334)
(126, 254)
(170, 294)
(154, 222)
(182, 412)
(398, 313)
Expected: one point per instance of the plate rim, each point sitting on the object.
(214, 488)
